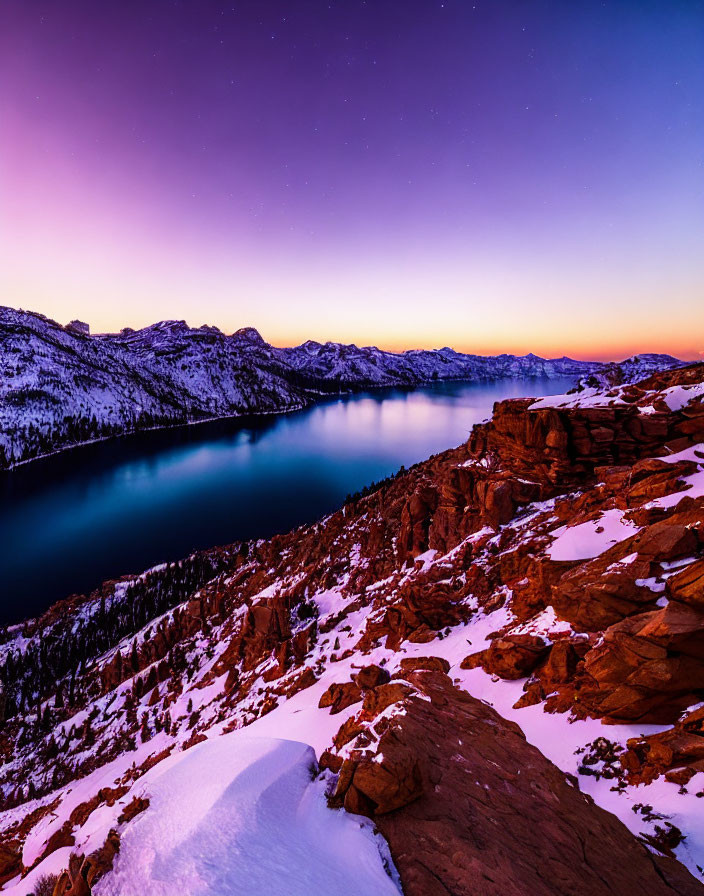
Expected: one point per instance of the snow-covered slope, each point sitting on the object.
(548, 575)
(59, 386)
(240, 815)
(629, 371)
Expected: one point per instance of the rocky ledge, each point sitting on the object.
(468, 806)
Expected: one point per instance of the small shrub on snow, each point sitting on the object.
(45, 885)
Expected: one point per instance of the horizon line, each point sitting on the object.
(386, 346)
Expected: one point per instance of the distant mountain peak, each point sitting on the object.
(79, 326)
(249, 334)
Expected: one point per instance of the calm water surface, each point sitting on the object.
(71, 521)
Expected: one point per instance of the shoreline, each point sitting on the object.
(321, 396)
(133, 432)
(322, 399)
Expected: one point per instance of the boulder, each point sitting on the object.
(392, 783)
(430, 663)
(376, 701)
(680, 749)
(647, 668)
(510, 656)
(653, 478)
(340, 696)
(603, 591)
(371, 676)
(667, 540)
(561, 663)
(687, 586)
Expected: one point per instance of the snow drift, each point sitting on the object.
(245, 815)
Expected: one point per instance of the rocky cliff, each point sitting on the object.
(497, 656)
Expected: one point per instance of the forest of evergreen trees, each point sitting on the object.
(56, 655)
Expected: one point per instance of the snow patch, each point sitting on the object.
(244, 816)
(588, 540)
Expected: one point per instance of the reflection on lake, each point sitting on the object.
(73, 520)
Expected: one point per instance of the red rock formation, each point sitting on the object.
(468, 806)
(415, 521)
(371, 676)
(687, 586)
(602, 591)
(429, 663)
(678, 751)
(648, 668)
(511, 656)
(340, 696)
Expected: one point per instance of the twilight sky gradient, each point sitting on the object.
(498, 176)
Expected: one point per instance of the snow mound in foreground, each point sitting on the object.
(242, 815)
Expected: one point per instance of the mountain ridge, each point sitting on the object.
(60, 386)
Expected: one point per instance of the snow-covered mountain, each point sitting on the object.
(629, 371)
(486, 675)
(60, 386)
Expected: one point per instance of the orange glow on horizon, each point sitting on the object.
(508, 300)
(603, 349)
(581, 352)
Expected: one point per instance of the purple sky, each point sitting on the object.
(496, 176)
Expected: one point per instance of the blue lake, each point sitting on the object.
(73, 520)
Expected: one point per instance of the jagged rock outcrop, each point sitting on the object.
(648, 668)
(468, 806)
(511, 656)
(340, 696)
(678, 752)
